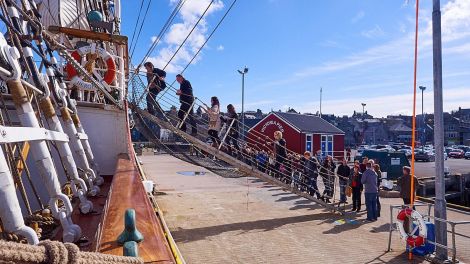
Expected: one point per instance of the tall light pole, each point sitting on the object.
(243, 72)
(423, 129)
(321, 92)
(363, 124)
(440, 210)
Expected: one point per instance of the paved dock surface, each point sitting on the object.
(244, 220)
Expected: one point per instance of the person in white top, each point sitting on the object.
(215, 123)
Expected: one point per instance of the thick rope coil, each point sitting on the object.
(18, 92)
(54, 252)
(47, 108)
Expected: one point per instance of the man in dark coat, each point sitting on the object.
(311, 166)
(404, 183)
(156, 84)
(343, 175)
(185, 93)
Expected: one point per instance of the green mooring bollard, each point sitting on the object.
(130, 232)
(131, 249)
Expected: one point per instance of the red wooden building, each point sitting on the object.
(301, 132)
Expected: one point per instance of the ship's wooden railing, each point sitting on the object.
(127, 191)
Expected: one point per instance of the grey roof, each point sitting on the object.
(309, 123)
(400, 128)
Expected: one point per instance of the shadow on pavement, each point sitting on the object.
(187, 235)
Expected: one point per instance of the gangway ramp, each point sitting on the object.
(243, 167)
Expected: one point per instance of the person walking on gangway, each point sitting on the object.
(280, 154)
(185, 92)
(215, 123)
(232, 136)
(156, 84)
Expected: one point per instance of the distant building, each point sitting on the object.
(302, 133)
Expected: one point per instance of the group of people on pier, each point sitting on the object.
(272, 156)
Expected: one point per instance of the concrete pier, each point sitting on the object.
(243, 220)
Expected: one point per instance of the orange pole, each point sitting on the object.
(413, 135)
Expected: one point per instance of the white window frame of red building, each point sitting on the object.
(311, 142)
(327, 151)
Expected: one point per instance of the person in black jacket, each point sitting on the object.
(327, 173)
(232, 136)
(311, 170)
(356, 185)
(156, 84)
(185, 92)
(343, 175)
(280, 154)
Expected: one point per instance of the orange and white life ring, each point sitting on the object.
(411, 239)
(109, 76)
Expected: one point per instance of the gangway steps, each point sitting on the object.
(243, 167)
(220, 169)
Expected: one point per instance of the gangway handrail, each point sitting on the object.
(245, 168)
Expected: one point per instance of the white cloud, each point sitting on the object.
(359, 15)
(374, 32)
(220, 48)
(189, 14)
(455, 24)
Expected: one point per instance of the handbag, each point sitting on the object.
(348, 191)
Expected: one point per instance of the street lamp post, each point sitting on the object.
(243, 72)
(363, 124)
(423, 135)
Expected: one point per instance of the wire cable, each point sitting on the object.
(140, 29)
(136, 23)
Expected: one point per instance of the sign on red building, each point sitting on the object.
(301, 132)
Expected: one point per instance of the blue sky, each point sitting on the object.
(358, 51)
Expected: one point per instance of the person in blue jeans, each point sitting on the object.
(369, 180)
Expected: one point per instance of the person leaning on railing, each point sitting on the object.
(311, 170)
(327, 173)
(343, 175)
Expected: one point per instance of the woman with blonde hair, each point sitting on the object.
(280, 153)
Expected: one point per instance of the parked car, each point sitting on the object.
(406, 151)
(467, 155)
(456, 154)
(425, 156)
(361, 149)
(448, 150)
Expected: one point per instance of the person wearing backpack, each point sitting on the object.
(156, 84)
